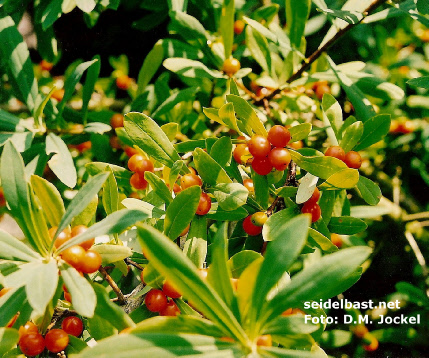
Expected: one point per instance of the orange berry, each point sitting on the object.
(297, 145)
(264, 341)
(138, 182)
(279, 136)
(189, 180)
(204, 205)
(117, 121)
(259, 146)
(32, 344)
(80, 229)
(46, 66)
(74, 256)
(239, 26)
(130, 151)
(58, 94)
(248, 184)
(91, 262)
(231, 66)
(353, 160)
(279, 158)
(123, 82)
(56, 340)
(336, 152)
(240, 151)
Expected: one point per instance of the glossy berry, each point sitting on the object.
(189, 180)
(123, 82)
(248, 184)
(231, 66)
(297, 145)
(135, 162)
(74, 256)
(406, 127)
(259, 146)
(170, 291)
(239, 26)
(32, 344)
(250, 228)
(145, 165)
(91, 262)
(61, 238)
(313, 209)
(353, 160)
(336, 152)
(155, 300)
(138, 182)
(171, 310)
(117, 121)
(72, 325)
(259, 218)
(80, 229)
(320, 88)
(241, 153)
(279, 158)
(279, 136)
(262, 166)
(336, 240)
(314, 197)
(264, 341)
(56, 340)
(130, 151)
(27, 328)
(204, 205)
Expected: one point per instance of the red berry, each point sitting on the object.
(353, 160)
(240, 151)
(279, 136)
(138, 182)
(336, 152)
(262, 166)
(91, 262)
(32, 344)
(250, 228)
(123, 82)
(155, 300)
(72, 325)
(204, 205)
(314, 197)
(259, 146)
(239, 26)
(130, 151)
(56, 340)
(170, 291)
(313, 209)
(189, 180)
(170, 310)
(279, 158)
(27, 328)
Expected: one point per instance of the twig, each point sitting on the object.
(112, 283)
(128, 261)
(417, 216)
(278, 202)
(419, 256)
(58, 315)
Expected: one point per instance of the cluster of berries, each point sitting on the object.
(312, 207)
(32, 343)
(139, 165)
(192, 179)
(157, 300)
(352, 159)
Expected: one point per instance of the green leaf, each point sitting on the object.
(75, 345)
(343, 179)
(150, 210)
(296, 16)
(170, 130)
(321, 241)
(15, 250)
(9, 339)
(247, 114)
(178, 5)
(258, 47)
(187, 94)
(423, 7)
(295, 324)
(159, 187)
(352, 17)
(115, 223)
(112, 253)
(321, 280)
(170, 261)
(16, 57)
(187, 26)
(322, 167)
(81, 201)
(346, 225)
(211, 172)
(88, 214)
(190, 68)
(290, 238)
(147, 135)
(181, 211)
(10, 304)
(221, 151)
(300, 132)
(333, 112)
(369, 191)
(421, 82)
(227, 26)
(261, 187)
(226, 115)
(374, 129)
(230, 196)
(110, 194)
(88, 88)
(122, 175)
(61, 162)
(241, 260)
(277, 223)
(286, 191)
(150, 66)
(351, 136)
(41, 285)
(196, 244)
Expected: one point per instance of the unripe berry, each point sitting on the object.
(231, 66)
(259, 218)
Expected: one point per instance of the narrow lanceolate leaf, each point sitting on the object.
(150, 65)
(10, 304)
(190, 68)
(42, 285)
(280, 255)
(49, 198)
(88, 88)
(196, 242)
(81, 200)
(322, 280)
(209, 169)
(9, 338)
(259, 48)
(159, 187)
(374, 129)
(110, 194)
(15, 250)
(16, 58)
(227, 26)
(351, 136)
(421, 82)
(149, 136)
(369, 190)
(333, 112)
(346, 225)
(181, 211)
(296, 16)
(81, 291)
(169, 260)
(115, 223)
(61, 162)
(112, 253)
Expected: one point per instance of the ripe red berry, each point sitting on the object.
(155, 300)
(27, 328)
(248, 184)
(231, 66)
(239, 26)
(56, 340)
(204, 205)
(72, 325)
(171, 309)
(91, 262)
(32, 344)
(353, 160)
(189, 180)
(314, 197)
(313, 209)
(80, 229)
(117, 121)
(250, 228)
(241, 152)
(262, 166)
(279, 158)
(279, 136)
(170, 291)
(74, 256)
(138, 182)
(83, 147)
(259, 146)
(336, 152)
(123, 82)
